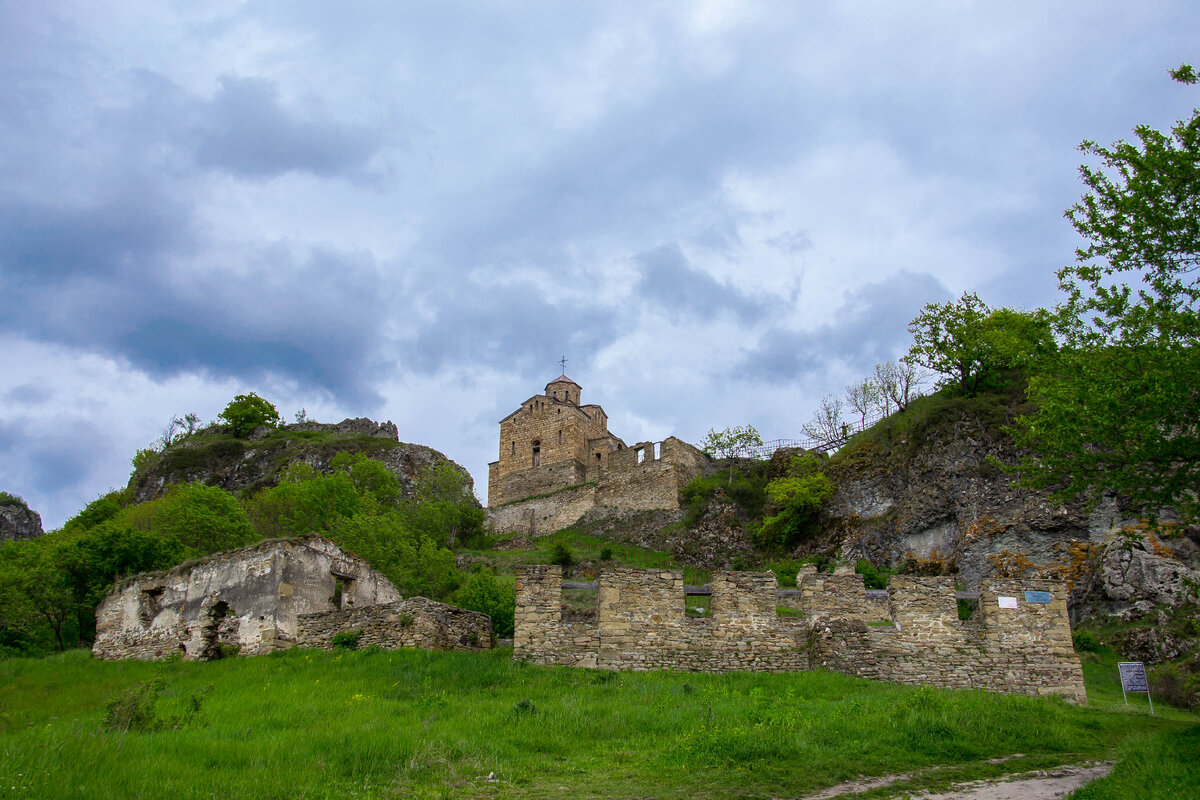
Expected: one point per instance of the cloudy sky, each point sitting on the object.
(718, 211)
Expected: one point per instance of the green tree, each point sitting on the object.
(731, 443)
(201, 519)
(1118, 408)
(483, 592)
(246, 412)
(796, 499)
(972, 345)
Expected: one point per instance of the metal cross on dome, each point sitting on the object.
(563, 362)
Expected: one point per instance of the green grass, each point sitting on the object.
(583, 547)
(313, 724)
(1160, 766)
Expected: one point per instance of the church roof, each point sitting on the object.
(564, 379)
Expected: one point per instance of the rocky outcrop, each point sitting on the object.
(1153, 645)
(938, 493)
(715, 542)
(17, 520)
(243, 466)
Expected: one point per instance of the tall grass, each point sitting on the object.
(311, 724)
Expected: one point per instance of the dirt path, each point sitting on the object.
(1042, 784)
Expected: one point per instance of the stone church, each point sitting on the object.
(556, 445)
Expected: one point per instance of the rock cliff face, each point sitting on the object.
(17, 520)
(942, 497)
(243, 466)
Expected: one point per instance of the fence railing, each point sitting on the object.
(835, 441)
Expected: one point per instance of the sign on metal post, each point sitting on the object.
(1133, 679)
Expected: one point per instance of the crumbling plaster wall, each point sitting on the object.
(640, 624)
(249, 598)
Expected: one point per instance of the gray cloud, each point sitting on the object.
(246, 131)
(869, 328)
(669, 283)
(326, 198)
(509, 328)
(41, 463)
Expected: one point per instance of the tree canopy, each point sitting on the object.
(246, 412)
(972, 346)
(1119, 406)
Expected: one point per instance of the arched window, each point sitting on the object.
(537, 452)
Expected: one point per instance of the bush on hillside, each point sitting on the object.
(796, 500)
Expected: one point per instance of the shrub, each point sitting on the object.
(561, 555)
(797, 499)
(745, 487)
(606, 554)
(1085, 642)
(133, 709)
(873, 577)
(483, 592)
(347, 640)
(7, 499)
(1176, 685)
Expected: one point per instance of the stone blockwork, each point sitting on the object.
(544, 514)
(640, 624)
(260, 598)
(558, 460)
(414, 622)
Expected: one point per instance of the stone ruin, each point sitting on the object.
(558, 460)
(1017, 640)
(272, 596)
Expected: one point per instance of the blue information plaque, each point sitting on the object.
(1037, 597)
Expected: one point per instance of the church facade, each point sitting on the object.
(554, 444)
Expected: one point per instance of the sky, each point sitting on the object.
(718, 212)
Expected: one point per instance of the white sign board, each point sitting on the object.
(1007, 602)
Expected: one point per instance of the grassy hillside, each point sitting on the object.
(376, 724)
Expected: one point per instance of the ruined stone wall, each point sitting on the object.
(414, 622)
(840, 596)
(648, 475)
(640, 624)
(247, 599)
(644, 477)
(549, 477)
(544, 515)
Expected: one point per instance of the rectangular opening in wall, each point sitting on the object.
(343, 593)
(968, 609)
(641, 455)
(579, 605)
(657, 450)
(697, 605)
(697, 597)
(148, 610)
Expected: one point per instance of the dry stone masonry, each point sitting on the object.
(1019, 639)
(272, 596)
(558, 460)
(414, 622)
